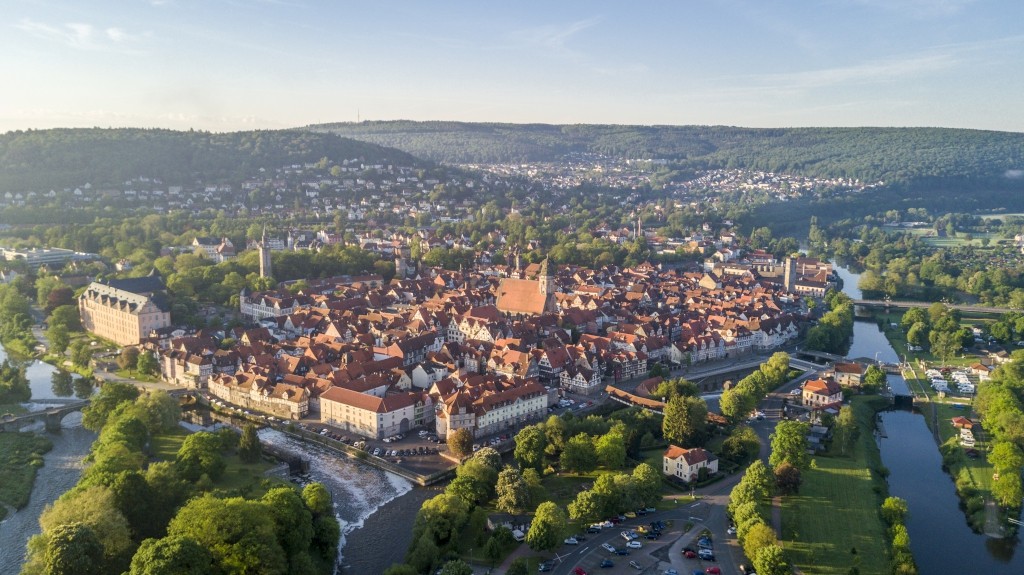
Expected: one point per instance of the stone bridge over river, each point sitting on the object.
(52, 416)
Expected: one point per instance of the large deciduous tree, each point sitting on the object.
(112, 394)
(513, 494)
(200, 453)
(171, 556)
(789, 443)
(73, 549)
(548, 527)
(460, 442)
(530, 444)
(578, 454)
(239, 533)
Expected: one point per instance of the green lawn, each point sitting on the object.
(12, 408)
(20, 455)
(836, 511)
(246, 479)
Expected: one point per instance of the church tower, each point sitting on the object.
(265, 264)
(547, 281)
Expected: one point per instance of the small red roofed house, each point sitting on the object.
(687, 463)
(822, 393)
(961, 422)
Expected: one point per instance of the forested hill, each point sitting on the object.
(41, 160)
(890, 154)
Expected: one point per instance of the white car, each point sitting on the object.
(731, 531)
(571, 541)
(634, 545)
(608, 548)
(795, 391)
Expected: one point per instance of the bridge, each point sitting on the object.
(923, 304)
(821, 355)
(51, 417)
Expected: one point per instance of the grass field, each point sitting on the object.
(20, 455)
(12, 408)
(836, 511)
(245, 479)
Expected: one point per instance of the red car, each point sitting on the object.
(689, 554)
(713, 571)
(578, 571)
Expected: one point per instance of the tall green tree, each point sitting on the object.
(789, 443)
(548, 527)
(610, 449)
(685, 421)
(200, 454)
(579, 454)
(460, 442)
(240, 534)
(513, 494)
(171, 556)
(530, 444)
(249, 448)
(112, 394)
(74, 549)
(59, 338)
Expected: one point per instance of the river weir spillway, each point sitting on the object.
(359, 489)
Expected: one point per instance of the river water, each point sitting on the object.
(359, 491)
(62, 465)
(940, 539)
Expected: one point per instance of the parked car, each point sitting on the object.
(593, 529)
(706, 554)
(689, 554)
(626, 535)
(653, 536)
(713, 570)
(571, 541)
(731, 530)
(636, 566)
(608, 548)
(606, 563)
(621, 551)
(546, 566)
(578, 571)
(634, 545)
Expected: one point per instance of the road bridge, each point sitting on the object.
(868, 303)
(51, 417)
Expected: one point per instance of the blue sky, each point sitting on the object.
(241, 64)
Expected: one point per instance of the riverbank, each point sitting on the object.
(972, 476)
(828, 539)
(385, 535)
(21, 455)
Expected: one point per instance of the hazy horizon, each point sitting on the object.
(231, 65)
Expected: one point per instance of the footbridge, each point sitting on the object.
(52, 417)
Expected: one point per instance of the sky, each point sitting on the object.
(225, 65)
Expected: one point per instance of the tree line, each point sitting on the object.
(867, 153)
(130, 514)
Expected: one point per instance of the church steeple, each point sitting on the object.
(266, 269)
(547, 281)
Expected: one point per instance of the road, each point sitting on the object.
(708, 512)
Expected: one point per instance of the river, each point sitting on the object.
(62, 465)
(939, 536)
(360, 491)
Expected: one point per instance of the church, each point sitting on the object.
(527, 296)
